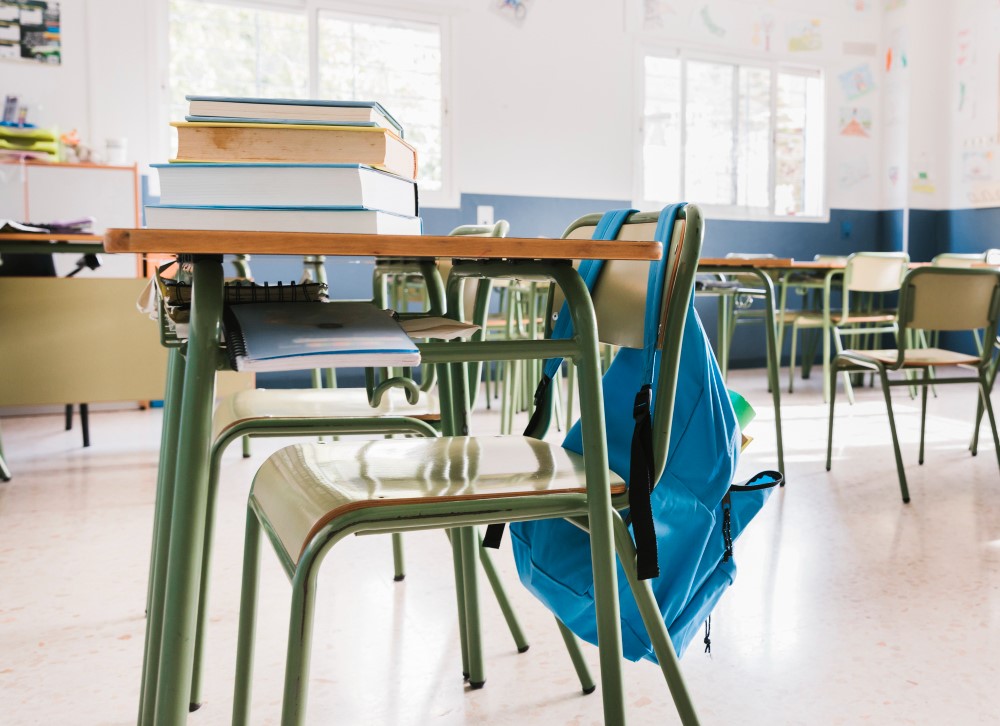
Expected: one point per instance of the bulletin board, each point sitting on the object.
(30, 31)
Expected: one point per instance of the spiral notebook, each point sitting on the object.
(297, 336)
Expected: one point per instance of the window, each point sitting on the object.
(733, 137)
(229, 48)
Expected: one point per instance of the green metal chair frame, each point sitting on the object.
(931, 298)
(836, 325)
(591, 506)
(5, 474)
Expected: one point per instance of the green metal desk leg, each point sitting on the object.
(161, 529)
(599, 495)
(772, 362)
(187, 525)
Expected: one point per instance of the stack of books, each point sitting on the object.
(284, 165)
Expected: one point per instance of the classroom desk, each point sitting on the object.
(43, 243)
(182, 481)
(762, 268)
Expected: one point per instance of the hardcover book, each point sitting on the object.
(298, 143)
(349, 186)
(293, 110)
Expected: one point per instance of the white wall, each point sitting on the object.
(549, 108)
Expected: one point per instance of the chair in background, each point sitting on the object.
(867, 276)
(931, 298)
(458, 482)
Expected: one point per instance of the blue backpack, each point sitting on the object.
(691, 516)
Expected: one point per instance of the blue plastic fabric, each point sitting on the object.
(553, 556)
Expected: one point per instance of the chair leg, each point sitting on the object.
(573, 648)
(923, 413)
(887, 393)
(398, 566)
(247, 453)
(247, 622)
(652, 618)
(838, 349)
(6, 476)
(85, 423)
(984, 393)
(69, 416)
(791, 358)
(456, 560)
(500, 593)
(829, 430)
(300, 624)
(469, 546)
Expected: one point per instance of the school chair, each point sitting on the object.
(866, 276)
(306, 498)
(930, 298)
(395, 406)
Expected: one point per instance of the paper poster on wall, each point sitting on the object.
(516, 11)
(805, 36)
(857, 82)
(893, 175)
(763, 28)
(657, 14)
(860, 6)
(977, 166)
(922, 183)
(705, 16)
(853, 172)
(894, 4)
(29, 30)
(855, 121)
(895, 53)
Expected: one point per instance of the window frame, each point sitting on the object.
(447, 195)
(734, 212)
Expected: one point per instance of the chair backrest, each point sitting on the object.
(875, 271)
(954, 259)
(620, 303)
(948, 298)
(499, 229)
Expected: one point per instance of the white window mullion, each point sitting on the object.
(772, 136)
(734, 154)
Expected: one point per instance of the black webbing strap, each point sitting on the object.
(494, 532)
(640, 487)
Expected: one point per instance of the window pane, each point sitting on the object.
(798, 145)
(754, 148)
(395, 63)
(224, 50)
(661, 150)
(709, 144)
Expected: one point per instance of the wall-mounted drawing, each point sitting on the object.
(805, 36)
(30, 31)
(977, 165)
(516, 11)
(713, 27)
(857, 82)
(856, 121)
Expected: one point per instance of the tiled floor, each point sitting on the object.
(850, 607)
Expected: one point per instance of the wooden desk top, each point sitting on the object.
(200, 242)
(763, 263)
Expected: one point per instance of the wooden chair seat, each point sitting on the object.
(917, 357)
(303, 487)
(279, 404)
(816, 319)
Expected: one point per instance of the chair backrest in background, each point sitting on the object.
(875, 271)
(942, 298)
(953, 259)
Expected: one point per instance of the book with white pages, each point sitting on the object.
(294, 109)
(349, 186)
(280, 219)
(298, 336)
